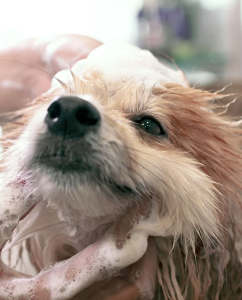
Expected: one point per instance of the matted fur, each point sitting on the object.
(200, 253)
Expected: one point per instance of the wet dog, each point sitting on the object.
(116, 131)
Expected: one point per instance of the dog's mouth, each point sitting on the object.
(62, 163)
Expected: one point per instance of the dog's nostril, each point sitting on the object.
(124, 189)
(87, 115)
(54, 110)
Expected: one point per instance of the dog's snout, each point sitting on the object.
(72, 116)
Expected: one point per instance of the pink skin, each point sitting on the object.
(101, 260)
(27, 68)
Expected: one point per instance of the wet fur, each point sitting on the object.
(195, 174)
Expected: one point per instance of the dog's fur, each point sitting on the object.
(194, 173)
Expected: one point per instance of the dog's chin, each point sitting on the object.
(66, 172)
(79, 192)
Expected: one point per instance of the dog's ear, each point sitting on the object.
(197, 125)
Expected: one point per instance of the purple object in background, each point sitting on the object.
(160, 25)
(176, 18)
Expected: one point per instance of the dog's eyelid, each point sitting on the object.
(140, 116)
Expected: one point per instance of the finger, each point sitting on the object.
(127, 221)
(117, 289)
(143, 272)
(86, 293)
(138, 280)
(60, 55)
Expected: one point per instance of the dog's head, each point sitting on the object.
(122, 128)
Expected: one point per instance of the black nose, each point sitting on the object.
(71, 116)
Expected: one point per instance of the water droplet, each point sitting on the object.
(13, 217)
(8, 230)
(138, 274)
(44, 269)
(22, 182)
(62, 289)
(119, 243)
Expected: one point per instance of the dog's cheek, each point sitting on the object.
(28, 142)
(187, 197)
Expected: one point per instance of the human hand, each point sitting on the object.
(123, 251)
(27, 68)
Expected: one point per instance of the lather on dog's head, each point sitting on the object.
(122, 127)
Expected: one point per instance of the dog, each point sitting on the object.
(121, 130)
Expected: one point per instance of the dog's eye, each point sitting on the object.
(151, 126)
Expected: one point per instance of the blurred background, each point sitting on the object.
(204, 37)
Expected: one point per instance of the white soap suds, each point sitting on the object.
(122, 62)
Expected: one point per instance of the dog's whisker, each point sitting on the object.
(27, 65)
(8, 153)
(42, 62)
(44, 71)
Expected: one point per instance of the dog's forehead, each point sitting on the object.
(123, 62)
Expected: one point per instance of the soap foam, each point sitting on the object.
(123, 62)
